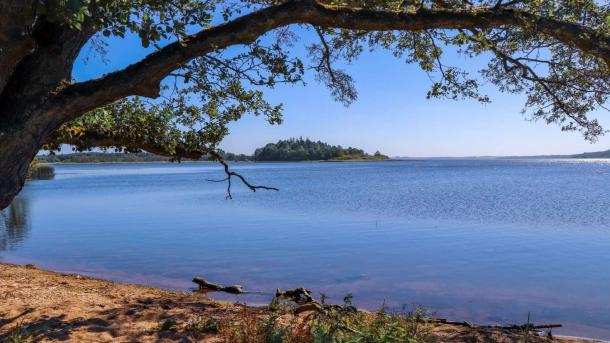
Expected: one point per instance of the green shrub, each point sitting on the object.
(336, 324)
(167, 324)
(199, 324)
(40, 171)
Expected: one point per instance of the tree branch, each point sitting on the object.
(529, 74)
(144, 77)
(81, 138)
(326, 55)
(15, 43)
(91, 139)
(216, 156)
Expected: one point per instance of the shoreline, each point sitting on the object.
(44, 305)
(239, 162)
(422, 159)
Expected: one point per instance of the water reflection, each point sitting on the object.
(14, 227)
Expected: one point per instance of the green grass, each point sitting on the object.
(381, 327)
(199, 324)
(40, 171)
(337, 324)
(19, 335)
(167, 325)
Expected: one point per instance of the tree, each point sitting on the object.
(178, 100)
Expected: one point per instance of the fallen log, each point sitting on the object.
(302, 297)
(313, 306)
(204, 285)
(298, 295)
(527, 326)
(234, 289)
(547, 326)
(501, 327)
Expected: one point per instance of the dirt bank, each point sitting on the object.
(38, 305)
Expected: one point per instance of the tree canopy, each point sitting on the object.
(178, 100)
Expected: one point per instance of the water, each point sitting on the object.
(478, 240)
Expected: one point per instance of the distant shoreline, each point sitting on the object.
(214, 162)
(150, 158)
(401, 159)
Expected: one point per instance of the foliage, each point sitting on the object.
(379, 327)
(561, 83)
(250, 328)
(307, 150)
(209, 63)
(151, 20)
(336, 325)
(229, 156)
(19, 334)
(284, 150)
(167, 324)
(275, 304)
(198, 324)
(40, 171)
(99, 157)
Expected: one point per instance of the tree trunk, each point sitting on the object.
(25, 119)
(14, 162)
(19, 143)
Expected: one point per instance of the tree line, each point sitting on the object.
(293, 149)
(101, 157)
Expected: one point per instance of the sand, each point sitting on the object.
(43, 306)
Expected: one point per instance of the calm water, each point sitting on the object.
(481, 240)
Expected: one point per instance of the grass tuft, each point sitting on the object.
(336, 324)
(19, 334)
(167, 325)
(199, 324)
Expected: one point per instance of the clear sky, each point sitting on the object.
(391, 114)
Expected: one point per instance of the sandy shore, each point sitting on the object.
(43, 306)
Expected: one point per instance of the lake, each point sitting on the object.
(487, 241)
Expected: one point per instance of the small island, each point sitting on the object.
(300, 149)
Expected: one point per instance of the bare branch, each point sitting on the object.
(177, 153)
(529, 74)
(216, 156)
(326, 56)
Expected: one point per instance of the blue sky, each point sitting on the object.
(391, 114)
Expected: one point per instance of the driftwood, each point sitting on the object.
(203, 284)
(233, 289)
(312, 306)
(298, 295)
(213, 287)
(302, 297)
(529, 326)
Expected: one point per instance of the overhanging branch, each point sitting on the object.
(216, 156)
(86, 139)
(178, 152)
(144, 77)
(528, 73)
